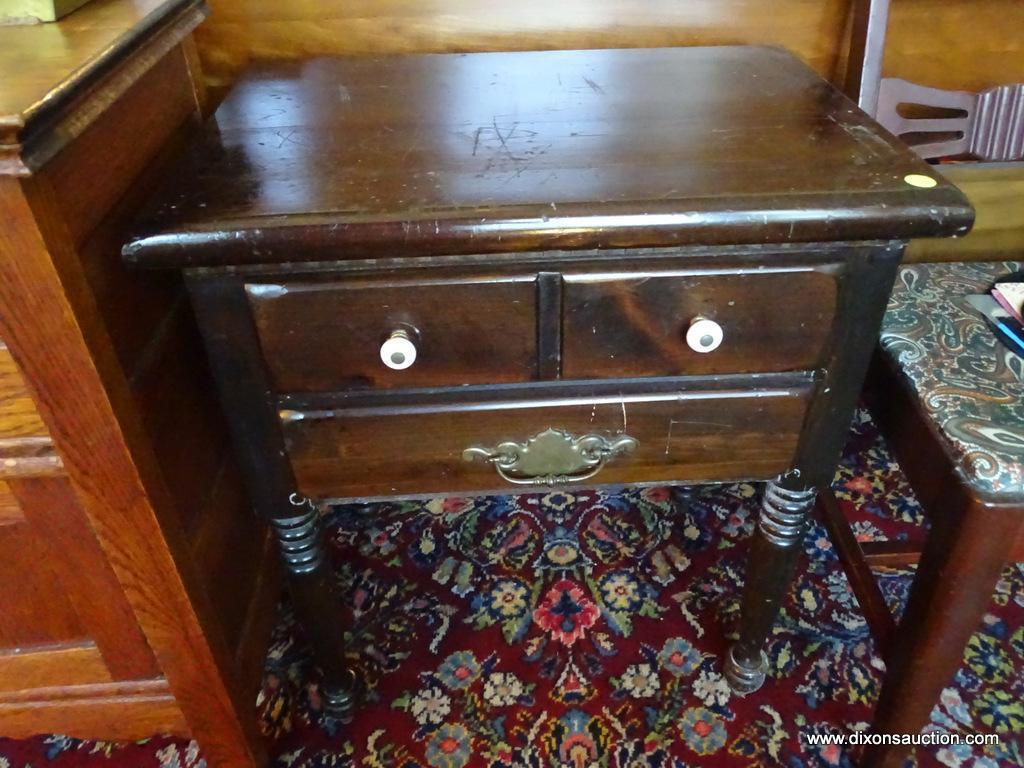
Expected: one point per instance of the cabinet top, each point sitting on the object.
(56, 78)
(470, 153)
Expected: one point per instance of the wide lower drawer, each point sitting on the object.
(661, 436)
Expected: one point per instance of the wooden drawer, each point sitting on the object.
(683, 432)
(323, 336)
(627, 325)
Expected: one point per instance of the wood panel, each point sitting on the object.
(65, 619)
(91, 174)
(66, 541)
(18, 414)
(960, 44)
(83, 391)
(148, 321)
(136, 308)
(957, 44)
(261, 614)
(228, 544)
(10, 512)
(180, 412)
(30, 581)
(133, 307)
(685, 434)
(43, 667)
(241, 31)
(996, 190)
(120, 711)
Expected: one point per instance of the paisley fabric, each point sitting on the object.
(970, 383)
(587, 630)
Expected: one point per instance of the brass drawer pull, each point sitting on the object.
(554, 456)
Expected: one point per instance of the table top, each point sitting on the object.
(966, 380)
(470, 153)
(47, 68)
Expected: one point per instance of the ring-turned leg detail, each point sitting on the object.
(300, 539)
(783, 521)
(785, 514)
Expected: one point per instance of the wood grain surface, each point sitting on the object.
(61, 77)
(241, 32)
(323, 336)
(18, 414)
(65, 540)
(336, 158)
(996, 190)
(684, 435)
(956, 44)
(128, 711)
(80, 389)
(618, 325)
(959, 44)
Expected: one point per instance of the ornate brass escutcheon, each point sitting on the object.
(551, 457)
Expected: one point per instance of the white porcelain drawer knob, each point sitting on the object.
(704, 335)
(399, 351)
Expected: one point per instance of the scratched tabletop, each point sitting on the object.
(463, 153)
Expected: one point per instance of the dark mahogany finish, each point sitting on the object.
(631, 324)
(322, 336)
(545, 228)
(442, 154)
(688, 431)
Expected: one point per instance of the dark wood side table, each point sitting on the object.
(456, 274)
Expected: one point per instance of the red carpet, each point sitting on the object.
(588, 629)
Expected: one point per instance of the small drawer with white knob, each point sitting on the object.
(705, 322)
(332, 335)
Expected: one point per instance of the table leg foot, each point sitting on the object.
(745, 678)
(681, 498)
(340, 701)
(772, 561)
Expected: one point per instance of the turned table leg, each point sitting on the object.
(785, 512)
(301, 541)
(222, 308)
(787, 503)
